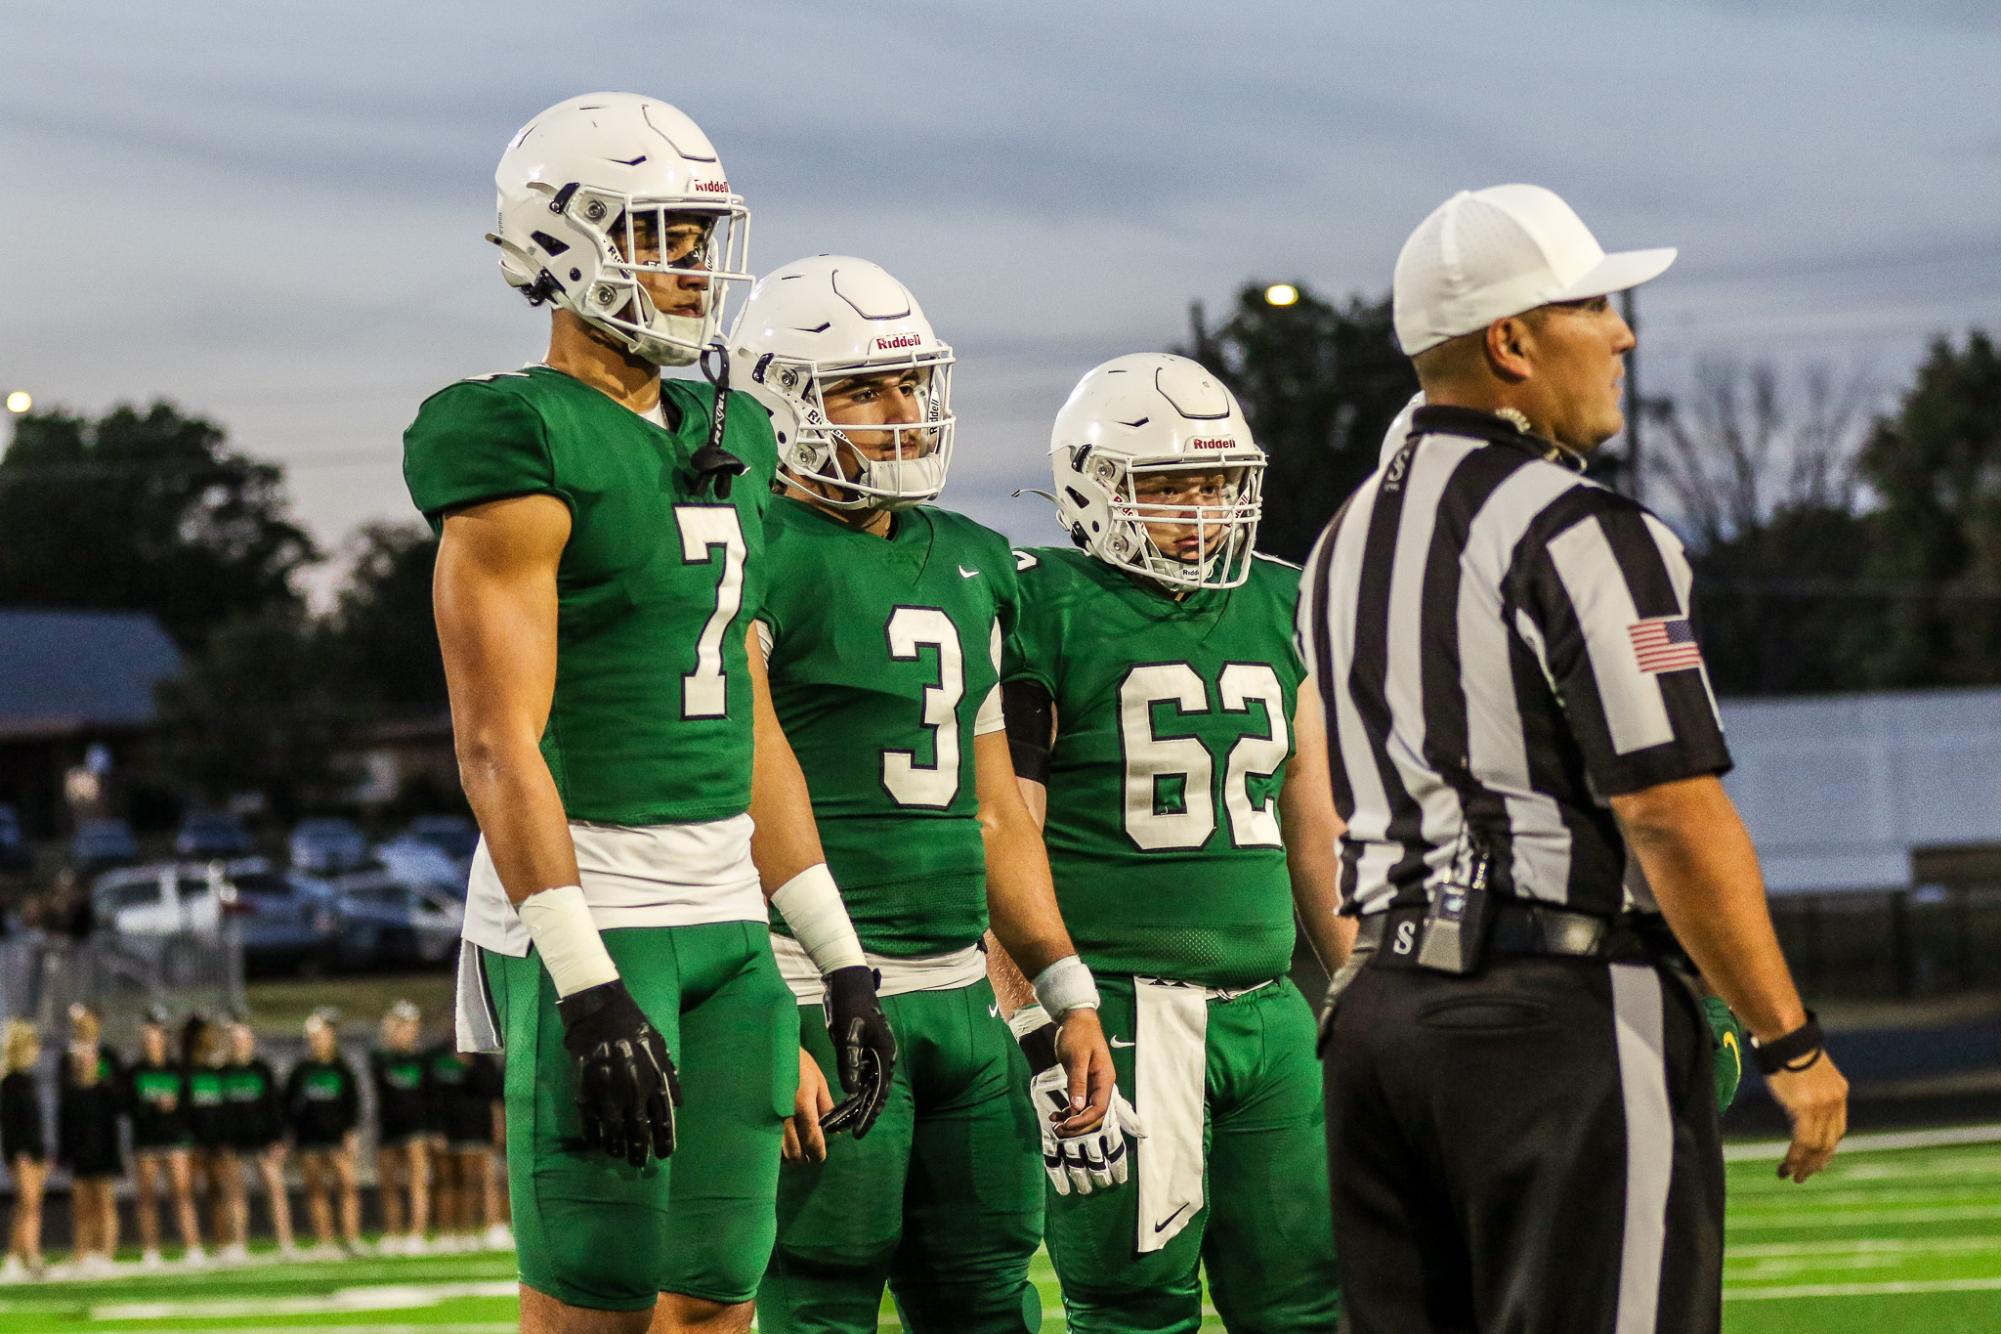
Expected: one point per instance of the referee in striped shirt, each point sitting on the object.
(1526, 753)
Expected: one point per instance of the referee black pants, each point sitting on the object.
(1533, 1150)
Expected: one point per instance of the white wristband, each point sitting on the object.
(1026, 1020)
(559, 922)
(1064, 986)
(811, 905)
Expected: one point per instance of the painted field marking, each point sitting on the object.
(1834, 1197)
(387, 1297)
(1863, 1245)
(1891, 1289)
(1879, 1142)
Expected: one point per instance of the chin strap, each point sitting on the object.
(714, 465)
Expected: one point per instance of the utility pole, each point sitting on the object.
(1636, 404)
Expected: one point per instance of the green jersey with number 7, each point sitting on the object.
(1173, 723)
(651, 719)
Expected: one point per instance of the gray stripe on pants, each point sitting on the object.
(1637, 1024)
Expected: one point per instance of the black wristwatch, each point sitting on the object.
(1792, 1053)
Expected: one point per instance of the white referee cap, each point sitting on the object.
(1483, 255)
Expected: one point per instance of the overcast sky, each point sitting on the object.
(271, 214)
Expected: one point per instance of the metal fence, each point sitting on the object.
(120, 976)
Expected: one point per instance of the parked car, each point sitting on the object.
(287, 921)
(435, 850)
(416, 862)
(157, 900)
(166, 915)
(101, 843)
(283, 921)
(453, 835)
(328, 847)
(14, 853)
(212, 834)
(384, 922)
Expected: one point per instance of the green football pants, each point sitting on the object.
(942, 1200)
(590, 1230)
(1265, 1232)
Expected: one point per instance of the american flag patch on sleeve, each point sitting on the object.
(1665, 644)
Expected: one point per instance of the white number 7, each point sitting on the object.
(705, 691)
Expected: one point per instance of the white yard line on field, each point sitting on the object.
(1789, 1291)
(389, 1297)
(1863, 1246)
(1974, 1170)
(1775, 1149)
(462, 1327)
(1832, 1196)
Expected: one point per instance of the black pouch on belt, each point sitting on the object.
(1456, 924)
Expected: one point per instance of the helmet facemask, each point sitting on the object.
(844, 474)
(1224, 526)
(670, 239)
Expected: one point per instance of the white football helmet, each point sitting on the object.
(573, 184)
(825, 319)
(1151, 413)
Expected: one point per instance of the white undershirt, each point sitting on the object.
(651, 875)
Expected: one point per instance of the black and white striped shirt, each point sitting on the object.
(1502, 645)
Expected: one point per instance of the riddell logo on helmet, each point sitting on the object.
(711, 187)
(1216, 443)
(901, 340)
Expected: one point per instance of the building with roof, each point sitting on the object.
(71, 681)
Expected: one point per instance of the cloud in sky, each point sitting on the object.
(272, 213)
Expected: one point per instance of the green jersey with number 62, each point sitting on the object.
(651, 719)
(1173, 728)
(883, 669)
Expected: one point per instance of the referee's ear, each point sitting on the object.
(1509, 345)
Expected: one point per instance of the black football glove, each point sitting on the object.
(864, 1049)
(626, 1086)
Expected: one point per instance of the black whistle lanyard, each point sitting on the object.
(715, 466)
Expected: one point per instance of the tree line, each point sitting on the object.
(1845, 535)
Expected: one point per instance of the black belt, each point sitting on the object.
(1521, 928)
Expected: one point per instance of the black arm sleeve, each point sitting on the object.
(1030, 715)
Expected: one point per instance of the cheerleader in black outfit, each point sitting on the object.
(218, 1174)
(402, 1137)
(156, 1097)
(23, 1147)
(90, 1096)
(322, 1108)
(256, 1116)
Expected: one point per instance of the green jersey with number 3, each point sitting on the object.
(883, 669)
(1173, 729)
(651, 718)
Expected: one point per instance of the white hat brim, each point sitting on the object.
(1616, 273)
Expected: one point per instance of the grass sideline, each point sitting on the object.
(279, 1005)
(1902, 1233)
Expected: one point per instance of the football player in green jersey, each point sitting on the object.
(596, 577)
(1164, 734)
(882, 619)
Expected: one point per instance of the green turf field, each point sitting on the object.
(1892, 1239)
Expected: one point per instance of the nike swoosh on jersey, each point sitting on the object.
(1121, 1042)
(994, 1010)
(1162, 1224)
(965, 573)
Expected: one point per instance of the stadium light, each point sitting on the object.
(1281, 294)
(20, 401)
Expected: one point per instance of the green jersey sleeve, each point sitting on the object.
(472, 443)
(1029, 636)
